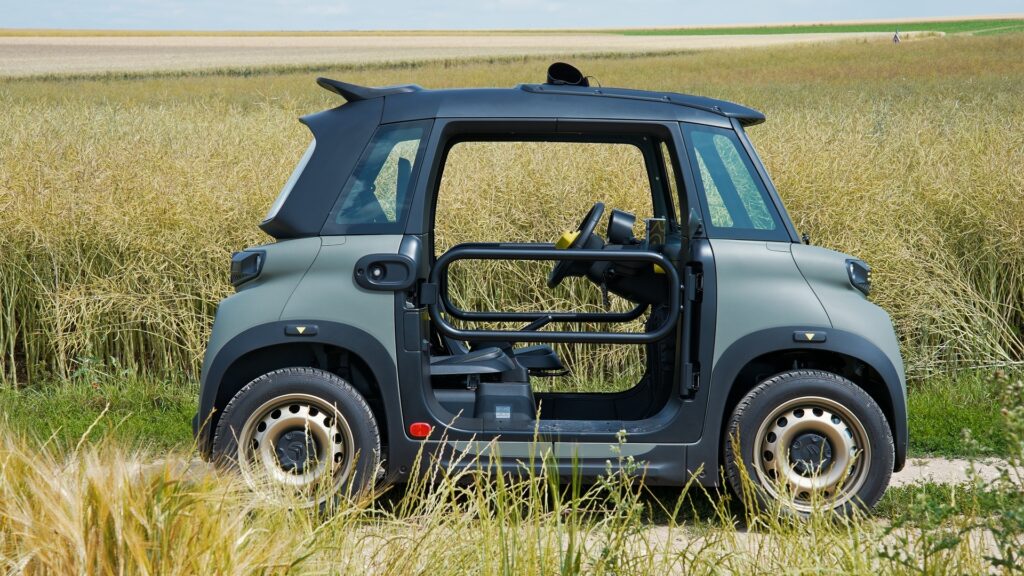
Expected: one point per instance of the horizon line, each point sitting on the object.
(256, 31)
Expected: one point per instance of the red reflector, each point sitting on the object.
(419, 429)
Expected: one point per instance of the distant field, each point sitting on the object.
(133, 52)
(972, 26)
(58, 54)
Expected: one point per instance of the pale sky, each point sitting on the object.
(463, 14)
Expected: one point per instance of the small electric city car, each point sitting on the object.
(342, 353)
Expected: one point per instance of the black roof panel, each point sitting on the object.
(545, 101)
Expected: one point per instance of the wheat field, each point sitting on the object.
(121, 200)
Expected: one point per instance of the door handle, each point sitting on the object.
(385, 272)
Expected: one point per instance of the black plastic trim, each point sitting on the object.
(243, 268)
(747, 116)
(385, 272)
(341, 135)
(356, 341)
(354, 92)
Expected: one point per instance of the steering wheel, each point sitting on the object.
(574, 241)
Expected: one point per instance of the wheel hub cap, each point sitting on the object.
(810, 453)
(296, 440)
(811, 445)
(294, 450)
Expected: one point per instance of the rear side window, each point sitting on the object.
(732, 195)
(376, 198)
(287, 189)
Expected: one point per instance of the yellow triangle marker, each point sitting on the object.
(302, 329)
(810, 335)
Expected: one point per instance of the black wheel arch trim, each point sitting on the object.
(357, 341)
(780, 339)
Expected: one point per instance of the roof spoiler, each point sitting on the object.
(354, 93)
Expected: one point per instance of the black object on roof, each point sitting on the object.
(561, 74)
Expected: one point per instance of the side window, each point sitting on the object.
(377, 195)
(282, 197)
(733, 196)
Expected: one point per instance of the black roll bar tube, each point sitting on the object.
(552, 316)
(477, 251)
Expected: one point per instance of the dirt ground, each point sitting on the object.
(44, 55)
(942, 471)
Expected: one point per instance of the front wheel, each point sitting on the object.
(301, 429)
(810, 439)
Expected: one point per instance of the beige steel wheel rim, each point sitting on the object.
(784, 447)
(295, 440)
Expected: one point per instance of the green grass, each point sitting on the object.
(1001, 30)
(144, 411)
(943, 407)
(127, 409)
(948, 27)
(964, 499)
(100, 509)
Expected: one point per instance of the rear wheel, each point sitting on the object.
(810, 439)
(301, 429)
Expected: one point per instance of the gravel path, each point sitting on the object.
(942, 471)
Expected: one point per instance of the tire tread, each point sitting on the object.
(223, 433)
(733, 472)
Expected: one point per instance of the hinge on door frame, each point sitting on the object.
(694, 291)
(428, 294)
(691, 375)
(694, 285)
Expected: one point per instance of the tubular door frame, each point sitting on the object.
(531, 333)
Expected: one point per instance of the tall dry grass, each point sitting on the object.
(120, 200)
(97, 509)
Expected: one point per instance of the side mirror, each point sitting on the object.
(694, 225)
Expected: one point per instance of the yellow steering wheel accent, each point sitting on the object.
(566, 239)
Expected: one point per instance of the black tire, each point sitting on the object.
(352, 423)
(779, 411)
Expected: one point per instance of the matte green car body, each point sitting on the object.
(303, 279)
(305, 305)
